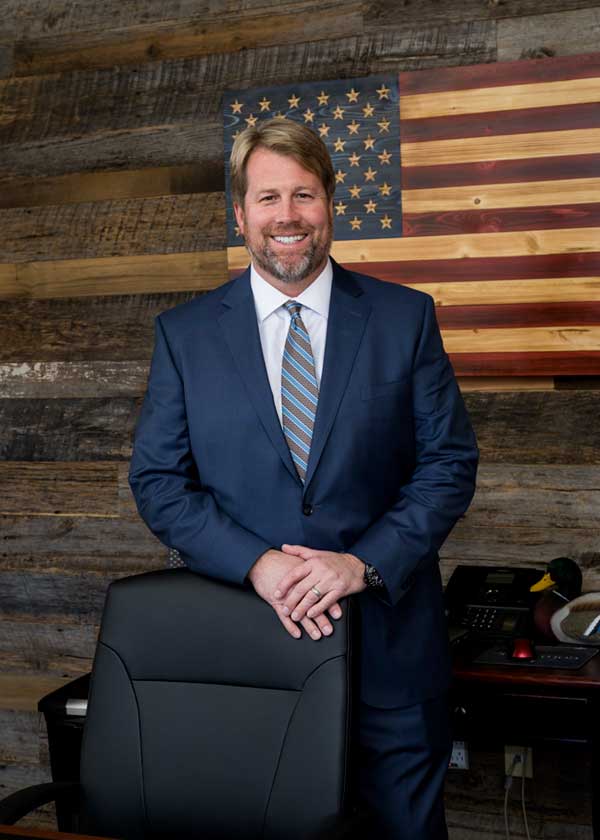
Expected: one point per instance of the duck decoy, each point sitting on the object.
(560, 584)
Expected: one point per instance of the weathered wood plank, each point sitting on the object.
(44, 380)
(19, 695)
(79, 545)
(101, 186)
(284, 23)
(139, 274)
(55, 648)
(92, 329)
(109, 228)
(390, 13)
(14, 777)
(66, 429)
(537, 428)
(59, 488)
(168, 113)
(541, 35)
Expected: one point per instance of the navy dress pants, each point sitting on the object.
(403, 756)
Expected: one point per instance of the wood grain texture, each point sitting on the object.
(578, 363)
(101, 186)
(110, 228)
(522, 339)
(501, 74)
(59, 488)
(537, 428)
(556, 34)
(493, 123)
(561, 290)
(169, 113)
(199, 271)
(508, 147)
(519, 315)
(481, 99)
(45, 380)
(567, 191)
(91, 329)
(57, 648)
(67, 429)
(500, 171)
(435, 223)
(284, 23)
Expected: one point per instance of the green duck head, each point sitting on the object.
(563, 575)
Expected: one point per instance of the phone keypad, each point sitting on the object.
(482, 619)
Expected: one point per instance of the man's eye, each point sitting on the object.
(267, 198)
(304, 195)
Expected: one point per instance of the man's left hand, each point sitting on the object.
(332, 574)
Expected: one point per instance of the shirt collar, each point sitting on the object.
(316, 297)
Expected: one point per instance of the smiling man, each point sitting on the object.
(302, 431)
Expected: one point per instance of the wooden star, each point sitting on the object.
(368, 110)
(385, 188)
(370, 174)
(370, 206)
(236, 134)
(323, 98)
(352, 95)
(354, 159)
(252, 120)
(338, 113)
(355, 223)
(237, 107)
(384, 125)
(383, 92)
(237, 231)
(339, 145)
(308, 116)
(293, 101)
(386, 222)
(385, 157)
(323, 130)
(265, 104)
(340, 209)
(355, 191)
(353, 127)
(339, 176)
(369, 143)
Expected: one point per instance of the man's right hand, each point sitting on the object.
(265, 575)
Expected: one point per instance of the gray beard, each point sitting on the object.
(288, 273)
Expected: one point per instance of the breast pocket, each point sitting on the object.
(387, 399)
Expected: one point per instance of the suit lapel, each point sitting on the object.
(349, 311)
(240, 329)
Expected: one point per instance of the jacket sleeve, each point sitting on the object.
(167, 487)
(410, 533)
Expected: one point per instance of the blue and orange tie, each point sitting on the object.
(299, 390)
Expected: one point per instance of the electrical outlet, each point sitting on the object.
(459, 760)
(525, 754)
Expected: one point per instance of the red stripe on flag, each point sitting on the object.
(520, 72)
(577, 363)
(493, 123)
(500, 220)
(570, 314)
(500, 171)
(483, 268)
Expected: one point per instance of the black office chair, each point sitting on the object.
(206, 719)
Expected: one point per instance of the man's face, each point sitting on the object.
(286, 220)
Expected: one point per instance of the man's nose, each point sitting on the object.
(287, 210)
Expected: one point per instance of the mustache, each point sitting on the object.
(288, 230)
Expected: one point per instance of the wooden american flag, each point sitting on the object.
(495, 206)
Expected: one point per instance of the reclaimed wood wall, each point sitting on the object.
(112, 210)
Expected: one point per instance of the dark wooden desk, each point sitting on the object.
(529, 706)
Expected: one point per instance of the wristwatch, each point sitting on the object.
(372, 577)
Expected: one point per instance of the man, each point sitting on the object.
(303, 431)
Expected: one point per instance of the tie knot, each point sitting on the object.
(293, 307)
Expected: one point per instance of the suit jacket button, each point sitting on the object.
(307, 510)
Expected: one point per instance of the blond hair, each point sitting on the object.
(285, 137)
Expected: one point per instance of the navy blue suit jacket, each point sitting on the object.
(392, 464)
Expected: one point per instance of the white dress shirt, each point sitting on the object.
(274, 323)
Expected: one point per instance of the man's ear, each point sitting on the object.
(239, 216)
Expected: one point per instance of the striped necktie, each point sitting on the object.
(299, 390)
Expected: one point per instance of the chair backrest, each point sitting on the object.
(206, 719)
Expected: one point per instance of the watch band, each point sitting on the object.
(372, 578)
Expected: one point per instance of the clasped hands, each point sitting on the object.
(285, 579)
